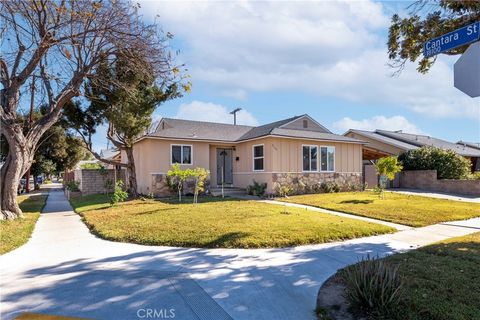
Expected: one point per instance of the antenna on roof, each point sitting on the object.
(234, 112)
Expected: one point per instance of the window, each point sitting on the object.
(181, 154)
(258, 157)
(327, 158)
(310, 158)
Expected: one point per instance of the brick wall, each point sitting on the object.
(95, 181)
(427, 180)
(307, 182)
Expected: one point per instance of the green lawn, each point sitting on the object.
(404, 209)
(15, 233)
(440, 281)
(215, 222)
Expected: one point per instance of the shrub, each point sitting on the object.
(200, 176)
(73, 186)
(284, 189)
(448, 163)
(474, 176)
(176, 177)
(373, 286)
(330, 187)
(108, 185)
(119, 195)
(386, 168)
(91, 165)
(257, 189)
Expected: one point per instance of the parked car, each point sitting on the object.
(39, 180)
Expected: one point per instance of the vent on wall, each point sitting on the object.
(305, 124)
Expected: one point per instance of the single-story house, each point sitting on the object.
(298, 147)
(381, 143)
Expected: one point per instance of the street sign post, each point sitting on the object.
(452, 40)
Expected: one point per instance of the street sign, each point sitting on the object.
(467, 71)
(452, 40)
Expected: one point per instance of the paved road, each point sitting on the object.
(65, 270)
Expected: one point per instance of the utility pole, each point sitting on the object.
(30, 120)
(234, 112)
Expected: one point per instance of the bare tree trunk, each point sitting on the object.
(131, 175)
(19, 159)
(21, 150)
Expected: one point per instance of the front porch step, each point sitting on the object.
(227, 191)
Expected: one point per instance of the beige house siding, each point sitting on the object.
(287, 155)
(282, 155)
(152, 156)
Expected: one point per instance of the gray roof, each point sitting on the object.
(376, 136)
(266, 129)
(475, 145)
(108, 153)
(212, 131)
(199, 130)
(312, 135)
(423, 140)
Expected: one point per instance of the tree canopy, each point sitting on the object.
(60, 43)
(427, 20)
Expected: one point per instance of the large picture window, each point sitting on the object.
(310, 158)
(258, 158)
(327, 159)
(181, 154)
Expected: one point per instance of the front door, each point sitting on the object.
(224, 166)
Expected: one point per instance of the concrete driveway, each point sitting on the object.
(65, 270)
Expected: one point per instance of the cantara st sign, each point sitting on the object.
(452, 40)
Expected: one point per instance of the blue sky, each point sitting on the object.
(327, 59)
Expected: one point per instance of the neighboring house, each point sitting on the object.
(236, 154)
(111, 154)
(383, 143)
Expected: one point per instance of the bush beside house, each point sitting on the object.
(448, 163)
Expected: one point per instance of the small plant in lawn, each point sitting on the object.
(386, 168)
(176, 177)
(200, 175)
(119, 194)
(373, 286)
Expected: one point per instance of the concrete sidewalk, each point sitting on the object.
(437, 195)
(65, 270)
(399, 227)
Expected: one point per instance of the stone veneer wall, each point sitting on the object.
(312, 180)
(427, 180)
(92, 181)
(159, 186)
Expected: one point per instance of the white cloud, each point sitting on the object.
(208, 111)
(378, 122)
(329, 48)
(238, 94)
